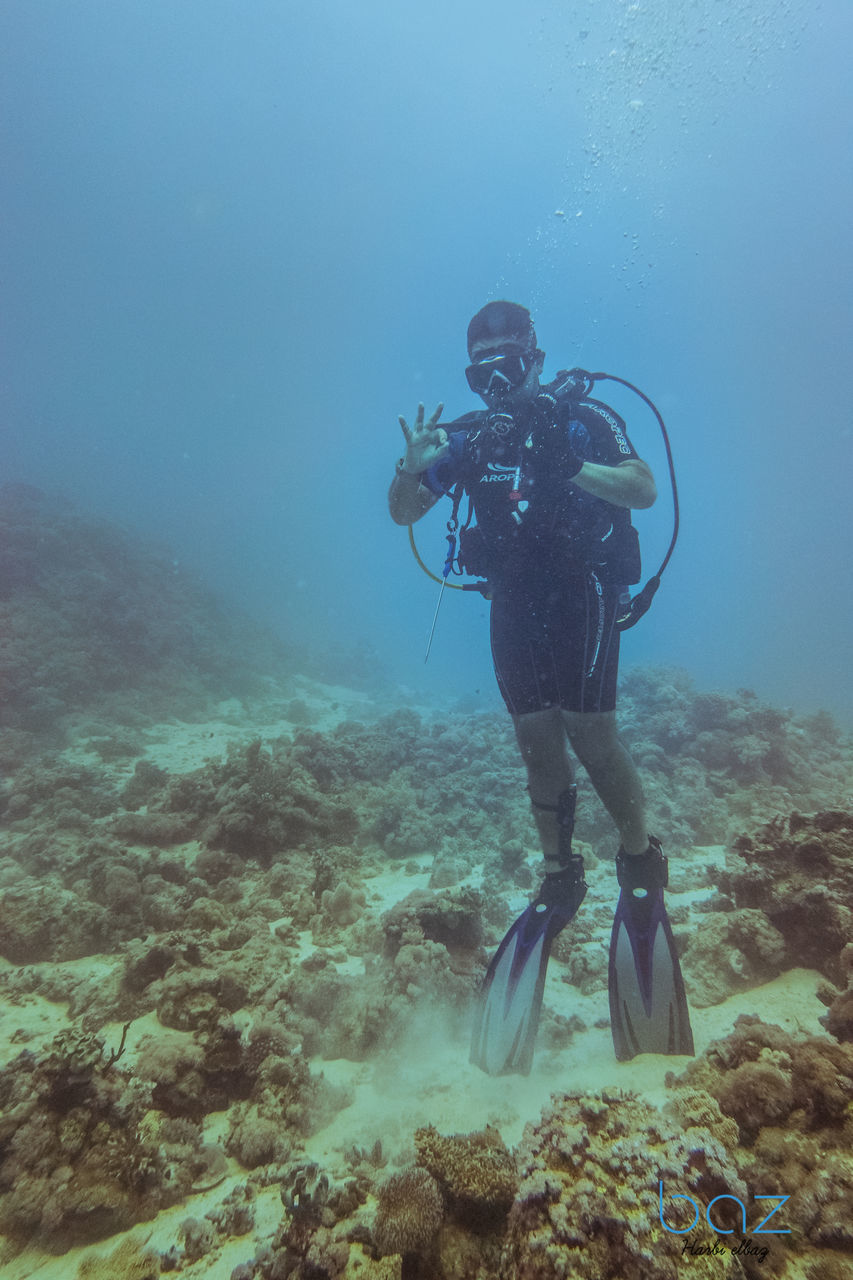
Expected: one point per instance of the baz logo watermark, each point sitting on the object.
(746, 1247)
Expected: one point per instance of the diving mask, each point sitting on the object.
(498, 374)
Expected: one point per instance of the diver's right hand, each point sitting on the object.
(426, 443)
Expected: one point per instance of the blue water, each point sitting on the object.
(240, 239)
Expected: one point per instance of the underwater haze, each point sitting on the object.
(239, 240)
(270, 972)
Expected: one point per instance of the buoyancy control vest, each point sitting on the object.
(532, 523)
(595, 531)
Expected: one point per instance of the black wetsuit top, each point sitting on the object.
(558, 559)
(532, 521)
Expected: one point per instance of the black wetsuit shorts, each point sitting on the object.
(557, 645)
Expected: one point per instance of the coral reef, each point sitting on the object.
(791, 1100)
(449, 918)
(799, 872)
(201, 1238)
(409, 1215)
(343, 905)
(76, 1163)
(718, 763)
(312, 1240)
(839, 1020)
(589, 1200)
(263, 1078)
(476, 1172)
(784, 900)
(732, 951)
(310, 893)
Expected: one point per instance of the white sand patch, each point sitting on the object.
(30, 1024)
(180, 746)
(31, 1021)
(391, 885)
(428, 1079)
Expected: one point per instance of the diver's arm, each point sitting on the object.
(628, 484)
(408, 499)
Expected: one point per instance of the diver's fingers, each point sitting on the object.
(419, 420)
(406, 429)
(435, 417)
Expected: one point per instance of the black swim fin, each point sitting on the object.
(648, 1005)
(511, 995)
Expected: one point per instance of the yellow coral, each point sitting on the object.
(588, 1206)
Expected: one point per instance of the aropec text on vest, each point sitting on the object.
(616, 428)
(495, 471)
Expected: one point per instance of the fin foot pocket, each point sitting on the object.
(563, 891)
(649, 870)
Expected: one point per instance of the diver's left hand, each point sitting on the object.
(426, 442)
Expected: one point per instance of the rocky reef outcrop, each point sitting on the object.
(798, 870)
(79, 1157)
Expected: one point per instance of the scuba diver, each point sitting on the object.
(551, 478)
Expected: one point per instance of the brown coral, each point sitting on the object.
(731, 951)
(410, 1213)
(76, 1161)
(476, 1170)
(791, 1098)
(799, 872)
(451, 918)
(839, 1017)
(344, 904)
(810, 1075)
(589, 1200)
(756, 1094)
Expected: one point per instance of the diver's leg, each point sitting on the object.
(612, 772)
(523, 658)
(541, 737)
